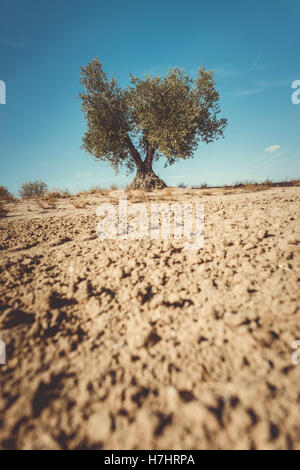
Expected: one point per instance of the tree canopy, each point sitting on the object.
(154, 117)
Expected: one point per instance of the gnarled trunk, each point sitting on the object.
(145, 178)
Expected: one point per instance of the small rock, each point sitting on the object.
(93, 307)
(83, 291)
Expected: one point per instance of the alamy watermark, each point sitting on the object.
(296, 354)
(296, 94)
(141, 221)
(2, 352)
(2, 92)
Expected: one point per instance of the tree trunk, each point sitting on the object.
(145, 178)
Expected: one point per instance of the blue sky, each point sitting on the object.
(253, 47)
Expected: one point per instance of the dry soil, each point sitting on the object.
(143, 344)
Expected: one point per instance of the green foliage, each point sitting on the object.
(33, 189)
(173, 115)
(165, 117)
(106, 111)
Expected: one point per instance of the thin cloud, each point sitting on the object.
(247, 92)
(275, 83)
(272, 148)
(224, 71)
(266, 159)
(14, 42)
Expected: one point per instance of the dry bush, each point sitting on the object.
(44, 203)
(40, 203)
(79, 204)
(82, 193)
(98, 190)
(3, 210)
(248, 186)
(33, 189)
(114, 187)
(138, 195)
(293, 183)
(65, 193)
(252, 187)
(5, 195)
(199, 186)
(207, 193)
(54, 194)
(268, 182)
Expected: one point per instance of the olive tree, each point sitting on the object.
(152, 118)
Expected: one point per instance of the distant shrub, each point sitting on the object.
(65, 193)
(79, 204)
(52, 195)
(5, 195)
(268, 182)
(199, 186)
(182, 185)
(113, 187)
(33, 189)
(98, 190)
(95, 190)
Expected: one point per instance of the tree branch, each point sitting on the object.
(134, 153)
(149, 156)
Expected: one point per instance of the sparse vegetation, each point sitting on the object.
(199, 186)
(251, 186)
(46, 202)
(98, 190)
(65, 193)
(182, 185)
(54, 194)
(5, 195)
(79, 203)
(33, 189)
